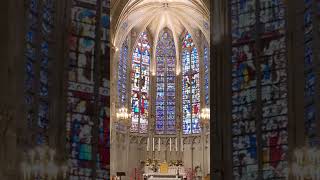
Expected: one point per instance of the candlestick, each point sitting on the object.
(159, 144)
(152, 144)
(148, 144)
(170, 144)
(176, 144)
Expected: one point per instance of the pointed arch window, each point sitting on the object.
(122, 74)
(206, 75)
(165, 98)
(140, 84)
(40, 25)
(190, 86)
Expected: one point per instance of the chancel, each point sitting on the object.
(160, 89)
(120, 89)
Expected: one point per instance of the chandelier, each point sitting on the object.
(205, 117)
(306, 164)
(41, 164)
(205, 114)
(123, 116)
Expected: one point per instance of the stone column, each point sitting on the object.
(220, 81)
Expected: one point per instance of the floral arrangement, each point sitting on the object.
(155, 165)
(190, 173)
(148, 162)
(176, 163)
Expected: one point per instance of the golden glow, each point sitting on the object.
(41, 164)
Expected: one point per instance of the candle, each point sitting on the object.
(152, 144)
(148, 144)
(181, 141)
(159, 144)
(176, 144)
(170, 144)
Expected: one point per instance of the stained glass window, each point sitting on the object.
(271, 80)
(81, 85)
(103, 154)
(122, 74)
(206, 63)
(309, 74)
(39, 45)
(140, 84)
(165, 99)
(30, 56)
(190, 86)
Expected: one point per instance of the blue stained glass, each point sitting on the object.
(244, 86)
(44, 62)
(80, 106)
(40, 139)
(310, 81)
(207, 77)
(30, 36)
(43, 76)
(122, 74)
(84, 15)
(47, 16)
(45, 48)
(140, 84)
(190, 87)
(33, 5)
(165, 55)
(85, 152)
(105, 21)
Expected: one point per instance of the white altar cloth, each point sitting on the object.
(163, 178)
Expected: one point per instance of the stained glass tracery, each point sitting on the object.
(190, 86)
(39, 45)
(309, 74)
(246, 83)
(122, 74)
(88, 92)
(140, 84)
(165, 98)
(206, 62)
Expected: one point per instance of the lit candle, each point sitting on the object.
(159, 144)
(170, 144)
(148, 144)
(152, 144)
(176, 144)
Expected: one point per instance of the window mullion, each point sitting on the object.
(190, 95)
(139, 93)
(166, 93)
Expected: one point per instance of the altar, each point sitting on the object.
(164, 172)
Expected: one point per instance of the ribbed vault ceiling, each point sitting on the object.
(154, 15)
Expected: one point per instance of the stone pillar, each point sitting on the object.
(12, 69)
(220, 99)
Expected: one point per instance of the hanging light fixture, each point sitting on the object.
(41, 164)
(306, 163)
(204, 117)
(205, 114)
(123, 114)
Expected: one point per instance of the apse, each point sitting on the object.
(160, 65)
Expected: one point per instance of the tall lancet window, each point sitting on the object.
(38, 57)
(140, 84)
(190, 86)
(122, 74)
(165, 100)
(206, 75)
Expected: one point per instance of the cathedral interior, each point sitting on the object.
(160, 90)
